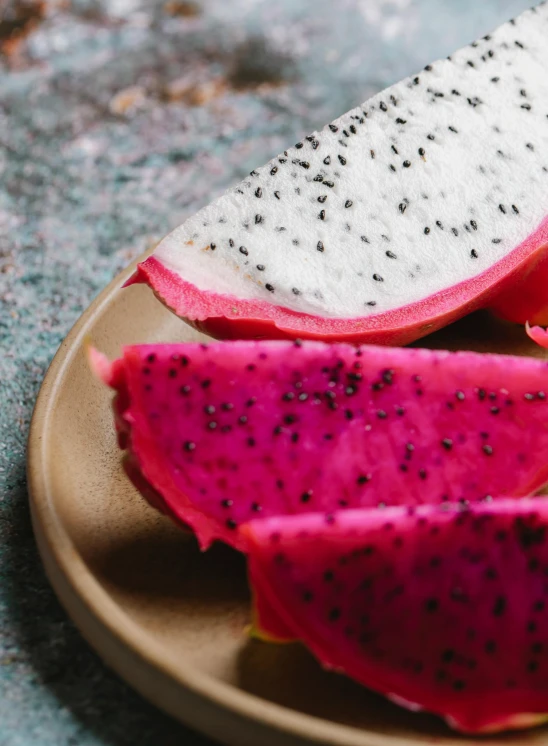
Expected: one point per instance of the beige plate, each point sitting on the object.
(169, 619)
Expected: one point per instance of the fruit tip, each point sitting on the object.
(98, 362)
(537, 334)
(255, 632)
(137, 278)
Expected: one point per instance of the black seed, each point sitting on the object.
(305, 497)
(458, 685)
(342, 160)
(322, 198)
(334, 615)
(333, 128)
(189, 445)
(381, 414)
(231, 524)
(406, 164)
(299, 145)
(448, 655)
(474, 254)
(499, 606)
(348, 203)
(243, 251)
(427, 230)
(277, 195)
(378, 278)
(328, 576)
(256, 508)
(322, 215)
(269, 287)
(431, 604)
(447, 443)
(304, 164)
(319, 245)
(329, 184)
(260, 267)
(258, 192)
(488, 450)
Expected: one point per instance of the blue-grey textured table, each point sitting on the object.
(117, 120)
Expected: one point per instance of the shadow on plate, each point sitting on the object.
(104, 707)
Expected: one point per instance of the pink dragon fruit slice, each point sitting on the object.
(219, 434)
(438, 607)
(538, 334)
(427, 202)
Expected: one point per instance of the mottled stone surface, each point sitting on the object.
(118, 119)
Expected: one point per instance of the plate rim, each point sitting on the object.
(111, 632)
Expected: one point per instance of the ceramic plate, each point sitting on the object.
(168, 619)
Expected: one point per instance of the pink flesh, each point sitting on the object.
(538, 334)
(525, 269)
(446, 610)
(319, 427)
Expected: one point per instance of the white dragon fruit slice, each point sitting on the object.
(427, 202)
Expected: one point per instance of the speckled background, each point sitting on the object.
(117, 120)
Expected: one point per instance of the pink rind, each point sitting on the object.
(538, 334)
(228, 317)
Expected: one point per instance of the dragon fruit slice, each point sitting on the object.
(428, 201)
(438, 607)
(538, 334)
(219, 434)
